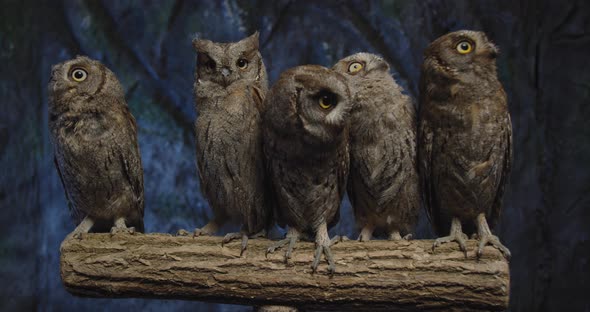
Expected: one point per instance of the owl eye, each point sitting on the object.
(79, 75)
(327, 99)
(464, 47)
(242, 63)
(355, 67)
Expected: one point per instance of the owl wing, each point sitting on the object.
(75, 213)
(401, 136)
(130, 158)
(425, 138)
(257, 218)
(342, 177)
(496, 208)
(258, 97)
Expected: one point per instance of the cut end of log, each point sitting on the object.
(375, 275)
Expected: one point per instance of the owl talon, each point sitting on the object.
(278, 245)
(122, 230)
(289, 251)
(201, 232)
(456, 235)
(459, 238)
(182, 232)
(395, 236)
(260, 234)
(232, 236)
(244, 245)
(494, 241)
(329, 257)
(338, 239)
(74, 235)
(487, 238)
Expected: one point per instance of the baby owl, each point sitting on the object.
(383, 181)
(465, 138)
(94, 137)
(305, 141)
(230, 85)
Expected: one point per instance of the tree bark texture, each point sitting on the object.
(376, 275)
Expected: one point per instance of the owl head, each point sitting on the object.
(362, 65)
(310, 101)
(81, 77)
(226, 63)
(462, 51)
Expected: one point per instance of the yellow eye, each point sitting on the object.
(327, 99)
(79, 75)
(355, 67)
(242, 63)
(464, 47)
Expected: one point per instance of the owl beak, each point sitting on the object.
(225, 72)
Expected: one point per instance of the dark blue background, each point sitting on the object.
(544, 67)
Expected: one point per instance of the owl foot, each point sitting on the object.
(290, 241)
(396, 236)
(366, 234)
(325, 249)
(494, 241)
(487, 238)
(231, 236)
(456, 235)
(182, 232)
(121, 227)
(83, 227)
(338, 239)
(122, 230)
(260, 234)
(75, 235)
(209, 229)
(323, 243)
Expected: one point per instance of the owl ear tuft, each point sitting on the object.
(253, 41)
(201, 45)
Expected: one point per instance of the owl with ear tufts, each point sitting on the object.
(383, 184)
(465, 138)
(230, 84)
(306, 144)
(94, 137)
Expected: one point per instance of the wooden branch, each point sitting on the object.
(377, 275)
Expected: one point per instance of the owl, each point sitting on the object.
(230, 85)
(383, 184)
(306, 147)
(94, 138)
(465, 138)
